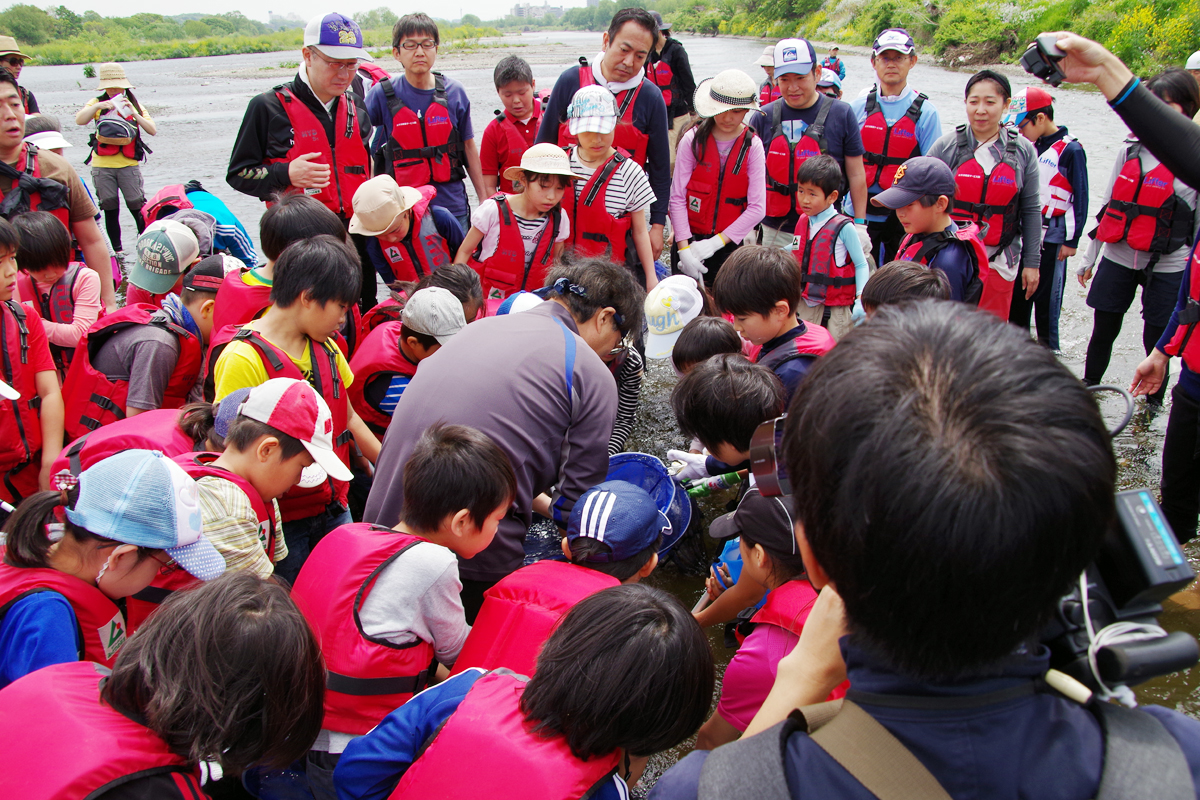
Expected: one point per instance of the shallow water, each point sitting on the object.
(198, 105)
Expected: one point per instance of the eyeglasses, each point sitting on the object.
(338, 66)
(13, 61)
(412, 44)
(170, 562)
(624, 346)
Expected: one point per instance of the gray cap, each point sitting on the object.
(434, 312)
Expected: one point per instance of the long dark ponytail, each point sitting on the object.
(26, 541)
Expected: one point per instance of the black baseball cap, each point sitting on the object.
(206, 276)
(766, 520)
(916, 178)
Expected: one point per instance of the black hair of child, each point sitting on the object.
(822, 171)
(723, 399)
(904, 281)
(512, 69)
(957, 479)
(200, 676)
(7, 77)
(930, 200)
(197, 421)
(628, 667)
(584, 547)
(989, 75)
(593, 284)
(414, 25)
(423, 339)
(10, 237)
(322, 268)
(44, 241)
(782, 567)
(453, 467)
(639, 16)
(703, 338)
(547, 181)
(459, 279)
(244, 432)
(755, 278)
(1176, 86)
(293, 217)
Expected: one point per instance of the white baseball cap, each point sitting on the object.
(293, 407)
(435, 312)
(794, 55)
(670, 305)
(1193, 61)
(336, 36)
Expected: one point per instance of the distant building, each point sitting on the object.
(593, 3)
(530, 11)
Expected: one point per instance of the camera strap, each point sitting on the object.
(1142, 760)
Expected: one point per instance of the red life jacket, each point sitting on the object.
(299, 502)
(20, 425)
(56, 306)
(628, 138)
(29, 163)
(505, 271)
(991, 201)
(423, 148)
(824, 280)
(366, 678)
(1184, 343)
(61, 703)
(521, 611)
(515, 143)
(489, 732)
(424, 249)
(372, 72)
(832, 63)
(784, 158)
(1144, 210)
(387, 311)
(378, 358)
(788, 606)
(238, 302)
(984, 279)
(888, 146)
(150, 430)
(661, 75)
(768, 93)
(93, 400)
(167, 200)
(173, 578)
(815, 342)
(717, 195)
(98, 621)
(129, 143)
(25, 95)
(594, 231)
(347, 158)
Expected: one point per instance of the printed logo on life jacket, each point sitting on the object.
(264, 530)
(1003, 180)
(309, 135)
(393, 253)
(903, 133)
(900, 170)
(693, 204)
(1154, 182)
(436, 257)
(112, 635)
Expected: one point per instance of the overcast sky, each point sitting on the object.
(258, 9)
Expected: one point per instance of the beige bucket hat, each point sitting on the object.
(767, 59)
(731, 90)
(112, 76)
(544, 159)
(378, 202)
(9, 47)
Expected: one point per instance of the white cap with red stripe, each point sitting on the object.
(293, 407)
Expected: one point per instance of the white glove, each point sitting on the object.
(691, 266)
(694, 465)
(705, 248)
(859, 313)
(864, 238)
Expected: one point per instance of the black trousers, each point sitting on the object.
(1181, 466)
(885, 239)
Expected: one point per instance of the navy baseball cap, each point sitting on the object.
(767, 520)
(619, 514)
(226, 411)
(336, 36)
(916, 178)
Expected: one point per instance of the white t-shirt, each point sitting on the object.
(486, 219)
(628, 192)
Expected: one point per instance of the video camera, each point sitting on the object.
(1105, 631)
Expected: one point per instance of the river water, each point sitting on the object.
(198, 105)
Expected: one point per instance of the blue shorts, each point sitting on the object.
(1114, 287)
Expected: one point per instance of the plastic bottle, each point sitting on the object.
(703, 487)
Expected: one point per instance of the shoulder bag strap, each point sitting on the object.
(1142, 760)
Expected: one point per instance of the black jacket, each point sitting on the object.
(683, 84)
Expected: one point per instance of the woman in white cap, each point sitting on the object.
(117, 148)
(718, 193)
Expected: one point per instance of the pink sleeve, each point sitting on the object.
(751, 673)
(685, 162)
(756, 207)
(86, 311)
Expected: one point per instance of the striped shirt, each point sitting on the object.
(629, 393)
(628, 191)
(232, 526)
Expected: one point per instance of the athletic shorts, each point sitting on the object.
(1114, 287)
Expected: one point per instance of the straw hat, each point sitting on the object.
(378, 202)
(9, 47)
(730, 90)
(543, 159)
(112, 76)
(767, 59)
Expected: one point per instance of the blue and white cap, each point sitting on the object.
(143, 498)
(622, 516)
(896, 39)
(336, 36)
(829, 78)
(593, 109)
(794, 55)
(517, 302)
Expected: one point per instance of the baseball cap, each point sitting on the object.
(434, 312)
(164, 251)
(670, 305)
(143, 498)
(378, 202)
(225, 410)
(620, 515)
(48, 140)
(593, 109)
(767, 520)
(518, 302)
(1193, 61)
(336, 36)
(1026, 101)
(896, 39)
(794, 55)
(206, 276)
(292, 406)
(916, 178)
(662, 26)
(829, 78)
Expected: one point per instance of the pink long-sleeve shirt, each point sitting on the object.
(87, 309)
(685, 162)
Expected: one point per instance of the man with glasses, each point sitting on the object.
(423, 122)
(310, 135)
(13, 60)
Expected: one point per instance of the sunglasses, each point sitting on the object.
(13, 61)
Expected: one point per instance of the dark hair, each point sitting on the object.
(941, 453)
(423, 339)
(755, 278)
(197, 421)
(41, 123)
(988, 75)
(200, 677)
(44, 243)
(930, 200)
(7, 77)
(628, 667)
(724, 399)
(244, 432)
(782, 567)
(604, 285)
(26, 541)
(821, 171)
(459, 279)
(294, 217)
(901, 281)
(511, 69)
(584, 547)
(412, 25)
(10, 237)
(546, 181)
(703, 338)
(453, 467)
(322, 268)
(701, 129)
(1176, 86)
(1032, 113)
(639, 16)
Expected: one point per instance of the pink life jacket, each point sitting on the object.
(366, 678)
(238, 302)
(489, 732)
(388, 310)
(57, 305)
(61, 703)
(824, 280)
(20, 425)
(521, 611)
(150, 430)
(167, 200)
(378, 358)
